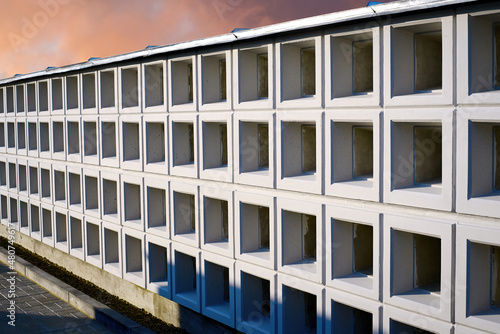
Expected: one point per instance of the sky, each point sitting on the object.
(36, 34)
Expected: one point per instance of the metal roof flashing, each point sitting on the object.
(392, 8)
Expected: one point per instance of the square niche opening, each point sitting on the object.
(31, 97)
(299, 149)
(11, 135)
(299, 238)
(20, 98)
(484, 160)
(21, 136)
(13, 211)
(214, 78)
(76, 233)
(3, 174)
(132, 202)
(131, 150)
(299, 311)
(23, 185)
(10, 99)
(133, 256)
(12, 176)
(298, 70)
(108, 136)
(2, 100)
(215, 145)
(253, 74)
(483, 289)
(59, 186)
(352, 255)
(158, 264)
(89, 138)
(185, 276)
(107, 89)
(352, 64)
(111, 248)
(72, 92)
(153, 81)
(255, 229)
(347, 319)
(417, 156)
(254, 147)
(73, 134)
(58, 136)
(89, 91)
(110, 198)
(93, 241)
(216, 220)
(2, 134)
(155, 142)
(183, 143)
(75, 191)
(418, 47)
(416, 266)
(44, 137)
(4, 207)
(182, 82)
(23, 214)
(33, 180)
(399, 327)
(32, 137)
(130, 87)
(35, 218)
(43, 96)
(91, 193)
(47, 223)
(57, 94)
(61, 228)
(256, 301)
(217, 287)
(157, 208)
(184, 214)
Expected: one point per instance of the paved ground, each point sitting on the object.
(38, 311)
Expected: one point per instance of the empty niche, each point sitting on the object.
(2, 134)
(158, 264)
(47, 223)
(254, 146)
(416, 264)
(352, 64)
(214, 145)
(33, 175)
(43, 96)
(299, 149)
(417, 47)
(13, 211)
(10, 99)
(31, 97)
(133, 258)
(253, 74)
(5, 209)
(89, 138)
(184, 214)
(2, 110)
(110, 198)
(11, 135)
(44, 137)
(91, 193)
(76, 233)
(254, 229)
(216, 220)
(156, 206)
(299, 310)
(23, 185)
(32, 137)
(21, 136)
(93, 241)
(61, 228)
(214, 84)
(155, 142)
(182, 82)
(299, 242)
(20, 98)
(58, 136)
(23, 214)
(59, 186)
(108, 133)
(298, 70)
(107, 89)
(89, 91)
(111, 248)
(132, 202)
(183, 143)
(153, 80)
(73, 134)
(12, 175)
(45, 182)
(72, 92)
(353, 250)
(3, 174)
(57, 94)
(74, 189)
(217, 287)
(130, 141)
(35, 218)
(185, 276)
(256, 301)
(130, 87)
(399, 327)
